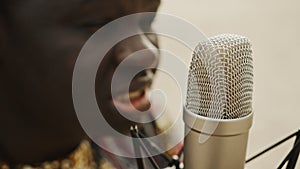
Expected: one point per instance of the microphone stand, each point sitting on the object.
(291, 157)
(138, 144)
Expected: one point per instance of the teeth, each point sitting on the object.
(136, 94)
(131, 95)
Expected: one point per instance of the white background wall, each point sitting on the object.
(273, 27)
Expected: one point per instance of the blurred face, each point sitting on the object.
(43, 39)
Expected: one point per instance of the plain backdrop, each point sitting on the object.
(273, 27)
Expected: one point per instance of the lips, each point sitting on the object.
(132, 102)
(136, 99)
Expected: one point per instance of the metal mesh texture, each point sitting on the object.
(220, 81)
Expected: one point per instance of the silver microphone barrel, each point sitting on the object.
(223, 148)
(218, 111)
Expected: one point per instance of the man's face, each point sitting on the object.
(45, 37)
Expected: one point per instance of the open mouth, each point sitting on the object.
(136, 99)
(133, 101)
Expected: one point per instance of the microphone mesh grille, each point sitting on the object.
(220, 81)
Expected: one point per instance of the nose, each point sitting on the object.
(146, 53)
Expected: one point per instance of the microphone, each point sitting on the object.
(218, 109)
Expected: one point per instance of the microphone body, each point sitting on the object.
(224, 148)
(218, 111)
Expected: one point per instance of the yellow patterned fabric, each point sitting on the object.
(81, 158)
(89, 156)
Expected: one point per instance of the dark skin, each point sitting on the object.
(40, 41)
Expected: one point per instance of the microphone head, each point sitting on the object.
(220, 81)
